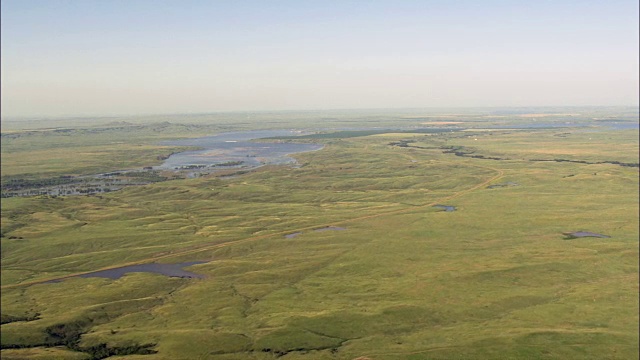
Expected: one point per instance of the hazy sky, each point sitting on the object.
(109, 57)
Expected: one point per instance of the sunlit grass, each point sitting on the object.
(494, 279)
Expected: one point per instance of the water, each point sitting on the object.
(580, 234)
(447, 208)
(171, 270)
(599, 125)
(236, 147)
(223, 151)
(623, 126)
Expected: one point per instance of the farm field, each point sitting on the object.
(344, 255)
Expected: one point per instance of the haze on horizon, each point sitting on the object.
(103, 58)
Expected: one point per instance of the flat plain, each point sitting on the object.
(390, 277)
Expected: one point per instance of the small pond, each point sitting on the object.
(581, 234)
(446, 208)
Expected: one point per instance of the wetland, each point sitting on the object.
(241, 151)
(242, 148)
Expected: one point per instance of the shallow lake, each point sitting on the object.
(236, 147)
(171, 270)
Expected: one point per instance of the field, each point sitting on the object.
(393, 278)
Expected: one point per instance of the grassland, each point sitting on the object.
(494, 279)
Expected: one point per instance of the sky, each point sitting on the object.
(112, 57)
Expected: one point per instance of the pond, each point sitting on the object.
(581, 234)
(446, 208)
(237, 149)
(171, 270)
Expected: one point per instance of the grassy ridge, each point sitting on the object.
(494, 279)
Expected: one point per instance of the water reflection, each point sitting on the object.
(235, 149)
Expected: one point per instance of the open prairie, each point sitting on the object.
(344, 255)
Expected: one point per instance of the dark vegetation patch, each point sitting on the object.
(466, 152)
(407, 143)
(291, 339)
(392, 320)
(102, 351)
(331, 228)
(330, 332)
(507, 184)
(77, 185)
(229, 343)
(230, 163)
(6, 318)
(463, 151)
(590, 162)
(16, 183)
(68, 334)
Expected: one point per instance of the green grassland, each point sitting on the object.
(495, 279)
(35, 154)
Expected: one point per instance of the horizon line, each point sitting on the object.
(200, 113)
